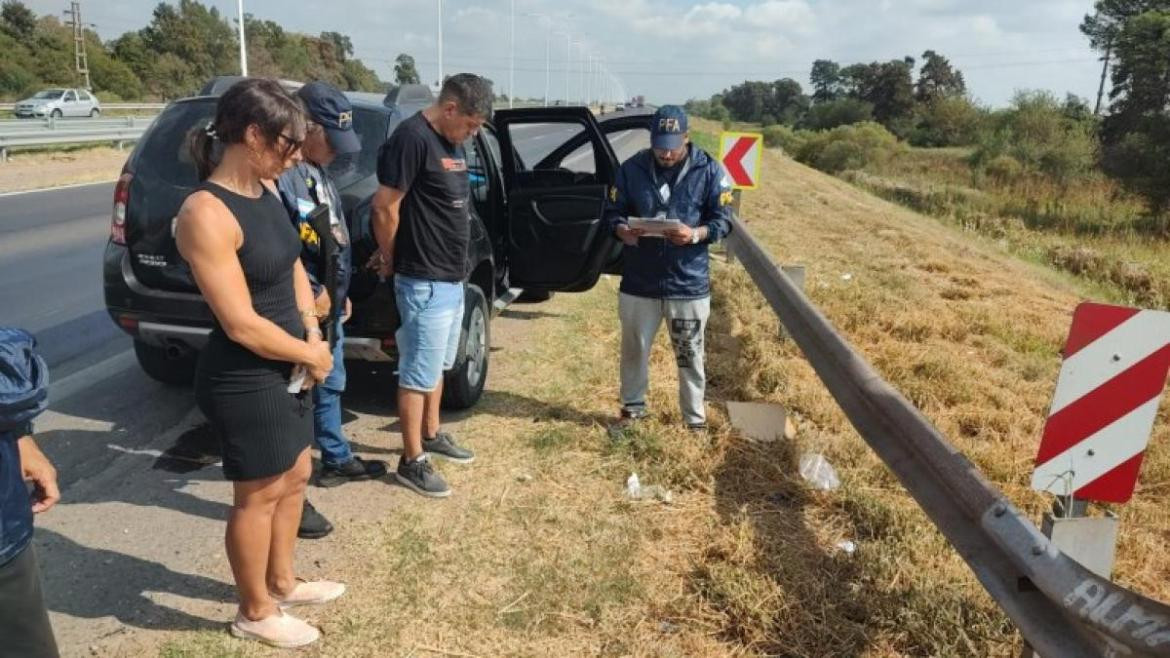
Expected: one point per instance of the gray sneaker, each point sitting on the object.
(443, 446)
(419, 476)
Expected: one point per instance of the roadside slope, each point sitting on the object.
(968, 333)
(538, 552)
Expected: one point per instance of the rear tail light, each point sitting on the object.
(121, 201)
(129, 323)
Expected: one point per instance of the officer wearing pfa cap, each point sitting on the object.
(303, 189)
(665, 277)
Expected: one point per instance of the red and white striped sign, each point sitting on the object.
(1115, 366)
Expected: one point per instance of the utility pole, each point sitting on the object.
(243, 46)
(1104, 72)
(80, 60)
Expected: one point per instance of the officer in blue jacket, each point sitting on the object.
(24, 393)
(667, 277)
(303, 188)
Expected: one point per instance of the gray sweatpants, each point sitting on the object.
(686, 319)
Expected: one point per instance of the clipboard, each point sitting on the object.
(653, 226)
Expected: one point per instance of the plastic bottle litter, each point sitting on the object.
(633, 487)
(848, 547)
(818, 472)
(635, 491)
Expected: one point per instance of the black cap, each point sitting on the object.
(329, 107)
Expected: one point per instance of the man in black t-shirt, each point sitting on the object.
(421, 220)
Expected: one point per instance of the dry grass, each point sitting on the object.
(1090, 228)
(30, 170)
(539, 554)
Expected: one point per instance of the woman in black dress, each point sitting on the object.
(244, 254)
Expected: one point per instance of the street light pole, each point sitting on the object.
(243, 48)
(568, 63)
(512, 58)
(547, 57)
(440, 43)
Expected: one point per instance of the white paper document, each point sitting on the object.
(654, 226)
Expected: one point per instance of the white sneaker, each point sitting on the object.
(311, 593)
(280, 630)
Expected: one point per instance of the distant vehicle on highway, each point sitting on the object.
(620, 107)
(57, 103)
(536, 226)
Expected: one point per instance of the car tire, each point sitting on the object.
(56, 114)
(165, 368)
(94, 113)
(463, 385)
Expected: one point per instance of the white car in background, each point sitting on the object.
(57, 103)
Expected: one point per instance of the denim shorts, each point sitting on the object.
(431, 315)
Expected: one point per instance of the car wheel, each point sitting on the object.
(463, 384)
(56, 114)
(94, 113)
(171, 369)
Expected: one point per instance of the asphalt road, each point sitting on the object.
(108, 421)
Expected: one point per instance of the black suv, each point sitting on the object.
(539, 177)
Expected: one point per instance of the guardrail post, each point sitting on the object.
(3, 154)
(736, 199)
(1091, 541)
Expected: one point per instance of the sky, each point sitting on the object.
(672, 50)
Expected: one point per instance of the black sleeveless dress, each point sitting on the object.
(262, 426)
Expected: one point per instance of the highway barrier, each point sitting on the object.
(52, 132)
(1061, 608)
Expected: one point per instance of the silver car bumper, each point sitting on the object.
(195, 338)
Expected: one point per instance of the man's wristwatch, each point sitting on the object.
(696, 236)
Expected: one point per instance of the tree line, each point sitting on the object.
(185, 44)
(1038, 133)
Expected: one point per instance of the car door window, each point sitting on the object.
(626, 143)
(534, 142)
(477, 175)
(70, 97)
(84, 97)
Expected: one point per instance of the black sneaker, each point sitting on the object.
(419, 476)
(313, 525)
(354, 470)
(443, 446)
(629, 418)
(697, 428)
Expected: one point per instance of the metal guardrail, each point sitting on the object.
(50, 132)
(108, 106)
(1062, 609)
(10, 126)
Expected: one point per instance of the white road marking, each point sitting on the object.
(87, 377)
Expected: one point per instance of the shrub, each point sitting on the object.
(1003, 169)
(841, 112)
(784, 138)
(949, 121)
(1038, 133)
(849, 147)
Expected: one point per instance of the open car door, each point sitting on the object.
(627, 134)
(556, 239)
